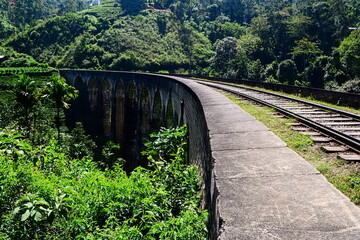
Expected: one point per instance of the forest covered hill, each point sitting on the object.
(308, 42)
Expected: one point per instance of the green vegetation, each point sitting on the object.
(343, 175)
(45, 194)
(56, 183)
(14, 63)
(87, 41)
(61, 93)
(25, 70)
(305, 43)
(35, 106)
(20, 14)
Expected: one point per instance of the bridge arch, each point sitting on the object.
(78, 111)
(145, 114)
(119, 112)
(127, 106)
(107, 104)
(79, 84)
(170, 118)
(157, 111)
(93, 90)
(131, 117)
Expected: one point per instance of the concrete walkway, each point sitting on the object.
(265, 190)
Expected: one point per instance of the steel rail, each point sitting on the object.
(348, 114)
(350, 99)
(339, 136)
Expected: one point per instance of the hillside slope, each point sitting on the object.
(306, 43)
(103, 38)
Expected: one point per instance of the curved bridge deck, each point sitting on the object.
(265, 190)
(256, 187)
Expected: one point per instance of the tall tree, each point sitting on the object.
(287, 72)
(241, 11)
(271, 28)
(305, 52)
(322, 28)
(26, 97)
(298, 26)
(350, 53)
(60, 93)
(229, 60)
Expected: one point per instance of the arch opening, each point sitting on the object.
(157, 110)
(170, 117)
(119, 113)
(106, 107)
(131, 118)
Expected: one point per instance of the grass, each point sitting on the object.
(345, 176)
(25, 70)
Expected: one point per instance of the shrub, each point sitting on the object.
(46, 194)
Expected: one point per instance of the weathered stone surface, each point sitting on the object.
(240, 126)
(267, 191)
(260, 163)
(206, 94)
(231, 233)
(245, 140)
(210, 99)
(226, 113)
(284, 207)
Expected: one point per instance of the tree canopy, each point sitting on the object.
(187, 36)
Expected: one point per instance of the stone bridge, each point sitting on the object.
(127, 107)
(255, 187)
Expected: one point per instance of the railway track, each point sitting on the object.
(322, 123)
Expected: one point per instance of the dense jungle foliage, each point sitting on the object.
(308, 42)
(57, 183)
(48, 194)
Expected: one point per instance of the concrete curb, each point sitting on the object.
(265, 190)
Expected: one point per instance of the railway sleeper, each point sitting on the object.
(334, 149)
(327, 119)
(343, 124)
(349, 157)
